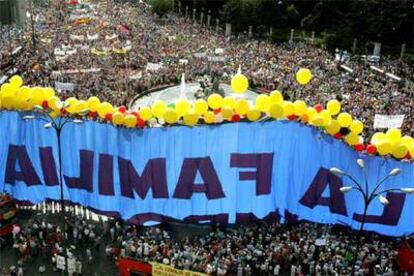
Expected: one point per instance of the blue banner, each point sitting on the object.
(226, 173)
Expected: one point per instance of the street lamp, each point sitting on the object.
(57, 124)
(32, 26)
(367, 195)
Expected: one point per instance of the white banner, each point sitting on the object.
(217, 59)
(64, 86)
(111, 37)
(219, 51)
(388, 121)
(183, 61)
(320, 242)
(137, 76)
(59, 52)
(153, 66)
(71, 266)
(75, 71)
(93, 37)
(60, 262)
(200, 55)
(71, 52)
(77, 37)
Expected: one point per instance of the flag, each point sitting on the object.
(405, 257)
(124, 29)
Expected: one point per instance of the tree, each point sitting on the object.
(161, 7)
(240, 13)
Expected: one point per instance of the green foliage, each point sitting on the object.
(389, 22)
(161, 7)
(292, 12)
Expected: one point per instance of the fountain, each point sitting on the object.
(191, 92)
(182, 87)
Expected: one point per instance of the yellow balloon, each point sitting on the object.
(38, 95)
(276, 111)
(54, 114)
(288, 108)
(299, 108)
(159, 108)
(209, 117)
(378, 137)
(262, 102)
(254, 115)
(326, 116)
(411, 150)
(191, 119)
(227, 113)
(357, 126)
(333, 128)
(229, 102)
(276, 97)
(311, 112)
(303, 76)
(344, 119)
(394, 135)
(352, 139)
(145, 113)
(117, 118)
(130, 121)
(8, 96)
(16, 81)
(333, 107)
(182, 106)
(407, 140)
(242, 107)
(6, 88)
(200, 106)
(71, 104)
(24, 97)
(399, 150)
(93, 103)
(54, 103)
(239, 83)
(170, 116)
(81, 106)
(384, 148)
(317, 121)
(215, 101)
(48, 92)
(105, 108)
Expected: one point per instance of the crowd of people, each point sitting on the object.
(123, 40)
(257, 248)
(264, 249)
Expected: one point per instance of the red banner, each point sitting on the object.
(406, 258)
(126, 266)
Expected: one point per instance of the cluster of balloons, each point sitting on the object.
(215, 109)
(392, 143)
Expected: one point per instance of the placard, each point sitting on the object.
(388, 121)
(60, 262)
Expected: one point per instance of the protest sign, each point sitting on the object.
(388, 121)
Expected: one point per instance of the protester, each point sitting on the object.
(126, 43)
(258, 248)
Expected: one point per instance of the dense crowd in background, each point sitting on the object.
(268, 66)
(265, 248)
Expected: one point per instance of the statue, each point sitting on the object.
(207, 88)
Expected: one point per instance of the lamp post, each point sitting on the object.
(58, 124)
(368, 195)
(32, 26)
